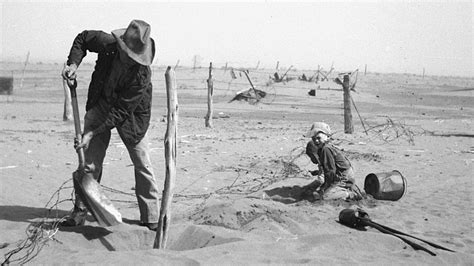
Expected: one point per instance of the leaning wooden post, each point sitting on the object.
(170, 160)
(282, 77)
(67, 113)
(176, 66)
(210, 91)
(348, 126)
(251, 84)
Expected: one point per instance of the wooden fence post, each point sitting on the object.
(258, 64)
(67, 113)
(365, 70)
(170, 160)
(210, 91)
(225, 68)
(24, 68)
(348, 126)
(423, 73)
(176, 66)
(278, 64)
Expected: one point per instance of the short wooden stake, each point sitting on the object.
(348, 126)
(258, 64)
(176, 66)
(210, 91)
(365, 70)
(170, 160)
(225, 68)
(67, 113)
(278, 64)
(24, 68)
(423, 73)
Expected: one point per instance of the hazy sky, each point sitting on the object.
(399, 36)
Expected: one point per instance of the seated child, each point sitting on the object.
(339, 180)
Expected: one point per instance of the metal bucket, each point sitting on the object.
(386, 186)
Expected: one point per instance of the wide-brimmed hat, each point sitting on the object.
(318, 127)
(136, 42)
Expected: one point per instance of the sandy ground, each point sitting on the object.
(218, 213)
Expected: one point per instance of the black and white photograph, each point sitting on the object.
(236, 132)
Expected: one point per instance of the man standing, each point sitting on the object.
(119, 96)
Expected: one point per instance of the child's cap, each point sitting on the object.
(316, 128)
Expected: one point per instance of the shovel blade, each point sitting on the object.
(94, 198)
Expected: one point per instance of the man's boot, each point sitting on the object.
(76, 218)
(79, 214)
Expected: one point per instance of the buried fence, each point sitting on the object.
(241, 80)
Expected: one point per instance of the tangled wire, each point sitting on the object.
(252, 178)
(391, 130)
(38, 234)
(277, 170)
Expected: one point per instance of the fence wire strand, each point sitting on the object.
(38, 234)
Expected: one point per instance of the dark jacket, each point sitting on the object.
(131, 103)
(330, 159)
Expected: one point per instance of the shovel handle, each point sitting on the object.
(404, 234)
(72, 84)
(385, 231)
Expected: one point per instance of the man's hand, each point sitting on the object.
(69, 72)
(86, 139)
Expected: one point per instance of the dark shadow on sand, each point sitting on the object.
(17, 213)
(288, 194)
(464, 89)
(131, 222)
(464, 135)
(91, 233)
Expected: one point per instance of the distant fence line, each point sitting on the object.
(45, 73)
(250, 69)
(203, 80)
(12, 72)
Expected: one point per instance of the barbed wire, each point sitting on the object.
(392, 130)
(38, 234)
(286, 168)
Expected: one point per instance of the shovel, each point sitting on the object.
(359, 219)
(89, 189)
